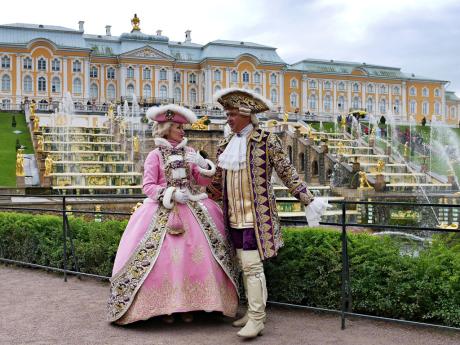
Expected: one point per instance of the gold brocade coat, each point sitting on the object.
(264, 153)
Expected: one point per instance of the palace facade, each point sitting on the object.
(43, 62)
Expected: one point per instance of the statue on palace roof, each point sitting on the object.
(135, 23)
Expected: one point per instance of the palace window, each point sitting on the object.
(76, 87)
(6, 103)
(217, 88)
(257, 90)
(217, 75)
(437, 108)
(356, 103)
(177, 94)
(76, 66)
(383, 89)
(55, 65)
(147, 92)
(111, 92)
(273, 96)
(327, 103)
(177, 77)
(130, 91)
(396, 90)
(41, 84)
(312, 84)
(370, 88)
(192, 78)
(192, 96)
(341, 102)
(163, 91)
(273, 79)
(27, 63)
(130, 72)
(110, 73)
(412, 91)
(396, 106)
(245, 77)
(370, 105)
(341, 86)
(294, 83)
(55, 85)
(146, 74)
(413, 107)
(355, 87)
(293, 99)
(6, 62)
(93, 72)
(93, 91)
(437, 93)
(27, 84)
(312, 102)
(383, 105)
(41, 66)
(234, 76)
(257, 78)
(453, 113)
(327, 85)
(425, 108)
(425, 92)
(6, 83)
(162, 74)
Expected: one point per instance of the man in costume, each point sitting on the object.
(246, 159)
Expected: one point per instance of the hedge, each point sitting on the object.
(307, 270)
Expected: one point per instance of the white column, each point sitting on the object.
(86, 79)
(170, 73)
(349, 86)
(101, 83)
(185, 96)
(157, 77)
(404, 100)
(18, 79)
(363, 95)
(390, 103)
(64, 76)
(334, 98)
(320, 96)
(281, 88)
(137, 79)
(227, 77)
(208, 86)
(377, 100)
(122, 78)
(443, 104)
(304, 94)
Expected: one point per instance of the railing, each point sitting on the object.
(344, 312)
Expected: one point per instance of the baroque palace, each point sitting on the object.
(43, 62)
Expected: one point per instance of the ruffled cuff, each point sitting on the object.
(167, 198)
(208, 172)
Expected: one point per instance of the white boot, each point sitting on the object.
(241, 322)
(253, 269)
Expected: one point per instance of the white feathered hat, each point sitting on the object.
(171, 113)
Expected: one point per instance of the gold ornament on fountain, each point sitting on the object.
(406, 149)
(380, 166)
(285, 117)
(447, 226)
(135, 23)
(36, 127)
(40, 144)
(110, 111)
(363, 182)
(201, 124)
(32, 108)
(136, 144)
(122, 127)
(49, 165)
(20, 163)
(344, 122)
(271, 123)
(340, 149)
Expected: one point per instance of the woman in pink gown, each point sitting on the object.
(174, 256)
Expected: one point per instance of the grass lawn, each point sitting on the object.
(8, 146)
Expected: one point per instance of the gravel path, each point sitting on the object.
(40, 308)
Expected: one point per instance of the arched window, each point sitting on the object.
(110, 73)
(111, 92)
(41, 84)
(76, 88)
(437, 108)
(257, 78)
(396, 106)
(192, 78)
(356, 103)
(312, 102)
(293, 99)
(76, 66)
(370, 88)
(425, 92)
(273, 96)
(341, 103)
(41, 66)
(327, 103)
(396, 90)
(6, 83)
(146, 73)
(162, 74)
(6, 62)
(28, 83)
(217, 75)
(293, 83)
(93, 91)
(312, 84)
(234, 76)
(130, 91)
(177, 77)
(273, 79)
(257, 90)
(425, 108)
(245, 77)
(177, 94)
(412, 91)
(355, 87)
(130, 72)
(413, 107)
(55, 65)
(27, 63)
(383, 105)
(147, 91)
(327, 85)
(370, 105)
(93, 72)
(56, 85)
(341, 86)
(437, 93)
(163, 91)
(383, 89)
(192, 96)
(217, 88)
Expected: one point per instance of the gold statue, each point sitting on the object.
(48, 165)
(271, 123)
(136, 144)
(341, 149)
(363, 182)
(32, 108)
(286, 117)
(40, 144)
(36, 127)
(135, 23)
(380, 165)
(344, 122)
(201, 124)
(20, 163)
(110, 112)
(406, 149)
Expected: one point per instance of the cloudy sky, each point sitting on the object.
(420, 36)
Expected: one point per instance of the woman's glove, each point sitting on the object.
(180, 197)
(195, 158)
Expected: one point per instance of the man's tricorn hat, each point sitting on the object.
(242, 98)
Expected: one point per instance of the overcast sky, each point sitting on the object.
(420, 36)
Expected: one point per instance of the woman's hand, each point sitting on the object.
(180, 197)
(195, 158)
